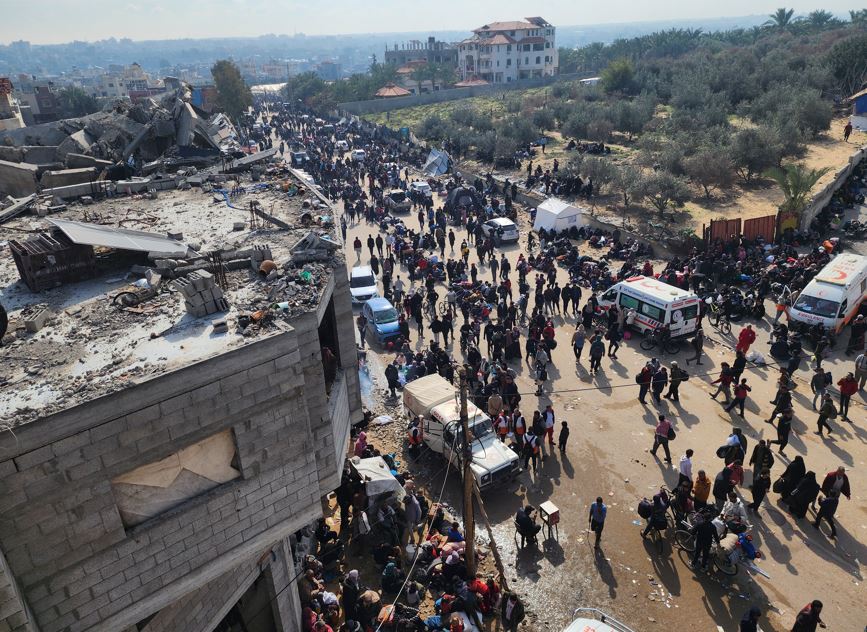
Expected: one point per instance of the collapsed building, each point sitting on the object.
(163, 132)
(178, 385)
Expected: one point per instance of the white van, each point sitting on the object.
(655, 304)
(834, 295)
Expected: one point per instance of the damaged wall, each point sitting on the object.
(80, 569)
(18, 179)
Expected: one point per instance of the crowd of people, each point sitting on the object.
(504, 313)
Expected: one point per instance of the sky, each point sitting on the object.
(55, 21)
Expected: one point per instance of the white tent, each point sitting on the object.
(558, 215)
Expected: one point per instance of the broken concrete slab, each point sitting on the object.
(78, 161)
(67, 177)
(39, 155)
(17, 179)
(17, 207)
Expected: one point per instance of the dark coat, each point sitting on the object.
(517, 610)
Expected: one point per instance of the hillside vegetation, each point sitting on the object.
(693, 118)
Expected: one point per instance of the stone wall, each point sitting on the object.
(79, 568)
(374, 106)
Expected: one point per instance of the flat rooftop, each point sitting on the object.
(91, 345)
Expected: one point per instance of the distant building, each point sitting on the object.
(431, 51)
(328, 70)
(205, 97)
(10, 113)
(859, 110)
(501, 52)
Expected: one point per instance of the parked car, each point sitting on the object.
(420, 186)
(358, 155)
(500, 230)
(397, 202)
(362, 285)
(342, 145)
(299, 158)
(381, 317)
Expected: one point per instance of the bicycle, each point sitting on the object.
(654, 339)
(656, 534)
(685, 540)
(717, 318)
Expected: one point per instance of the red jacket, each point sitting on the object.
(848, 386)
(747, 337)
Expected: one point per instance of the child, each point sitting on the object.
(564, 436)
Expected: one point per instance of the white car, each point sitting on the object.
(500, 230)
(420, 186)
(358, 155)
(342, 145)
(362, 285)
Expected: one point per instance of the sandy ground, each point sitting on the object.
(608, 456)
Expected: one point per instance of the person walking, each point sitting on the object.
(861, 370)
(371, 243)
(379, 244)
(750, 620)
(598, 511)
(685, 469)
(597, 350)
(762, 458)
(848, 387)
(740, 399)
(856, 335)
(826, 411)
(837, 481)
(658, 383)
(494, 265)
(819, 384)
(783, 401)
(614, 337)
(549, 419)
(738, 366)
(760, 488)
(578, 339)
(809, 617)
(356, 245)
(724, 380)
(705, 535)
(847, 131)
(564, 436)
(827, 509)
(361, 323)
(675, 378)
(643, 380)
(511, 612)
(784, 428)
(661, 437)
(697, 344)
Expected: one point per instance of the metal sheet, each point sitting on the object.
(120, 238)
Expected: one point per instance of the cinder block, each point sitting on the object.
(216, 293)
(37, 320)
(184, 286)
(210, 307)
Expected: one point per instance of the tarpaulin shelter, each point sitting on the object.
(437, 163)
(377, 478)
(555, 214)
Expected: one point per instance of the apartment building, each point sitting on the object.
(502, 52)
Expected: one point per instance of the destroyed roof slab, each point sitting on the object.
(120, 238)
(90, 347)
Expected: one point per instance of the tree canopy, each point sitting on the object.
(233, 93)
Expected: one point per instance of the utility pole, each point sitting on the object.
(467, 456)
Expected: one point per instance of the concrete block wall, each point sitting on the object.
(79, 569)
(14, 614)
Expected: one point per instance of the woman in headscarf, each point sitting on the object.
(804, 494)
(392, 578)
(792, 476)
(351, 591)
(360, 444)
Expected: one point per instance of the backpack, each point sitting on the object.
(645, 508)
(672, 435)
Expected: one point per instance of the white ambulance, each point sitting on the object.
(834, 295)
(655, 304)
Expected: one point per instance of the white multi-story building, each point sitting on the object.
(501, 52)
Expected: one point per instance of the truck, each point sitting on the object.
(437, 402)
(397, 202)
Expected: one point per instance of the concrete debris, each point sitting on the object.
(37, 319)
(17, 207)
(314, 247)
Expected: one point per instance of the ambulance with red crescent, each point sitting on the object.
(655, 303)
(834, 295)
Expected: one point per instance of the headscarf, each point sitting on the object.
(353, 577)
(453, 558)
(360, 443)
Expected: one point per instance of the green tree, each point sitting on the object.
(600, 170)
(618, 77)
(628, 181)
(858, 17)
(569, 59)
(444, 73)
(711, 168)
(663, 189)
(76, 102)
(821, 19)
(796, 182)
(420, 74)
(303, 87)
(754, 150)
(233, 93)
(781, 18)
(847, 61)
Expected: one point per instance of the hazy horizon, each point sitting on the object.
(62, 21)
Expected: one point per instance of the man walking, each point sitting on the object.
(598, 511)
(697, 344)
(848, 387)
(724, 380)
(660, 437)
(740, 399)
(705, 536)
(827, 509)
(685, 469)
(675, 377)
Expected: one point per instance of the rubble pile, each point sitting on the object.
(156, 133)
